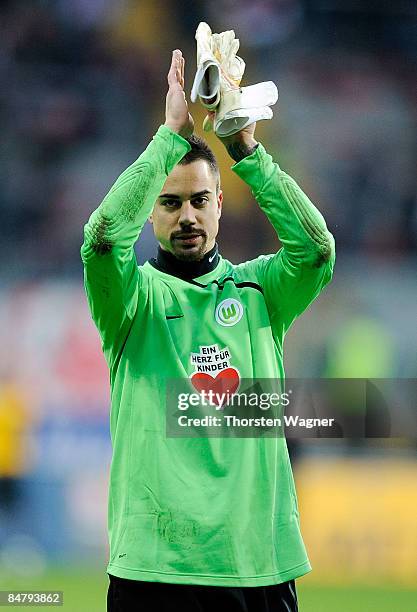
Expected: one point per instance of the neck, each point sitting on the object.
(167, 262)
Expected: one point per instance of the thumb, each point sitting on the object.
(209, 121)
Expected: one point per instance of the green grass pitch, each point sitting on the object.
(85, 591)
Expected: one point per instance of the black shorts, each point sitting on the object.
(138, 596)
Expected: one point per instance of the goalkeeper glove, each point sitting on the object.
(217, 84)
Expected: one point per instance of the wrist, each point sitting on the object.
(181, 130)
(172, 126)
(248, 141)
(239, 149)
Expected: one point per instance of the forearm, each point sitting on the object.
(299, 224)
(119, 219)
(111, 275)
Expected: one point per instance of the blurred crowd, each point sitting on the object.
(83, 92)
(83, 89)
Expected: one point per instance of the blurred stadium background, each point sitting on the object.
(83, 86)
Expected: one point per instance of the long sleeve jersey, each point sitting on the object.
(205, 510)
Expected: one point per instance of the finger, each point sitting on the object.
(178, 68)
(208, 124)
(191, 121)
(182, 71)
(173, 71)
(178, 71)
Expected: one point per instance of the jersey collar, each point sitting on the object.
(186, 270)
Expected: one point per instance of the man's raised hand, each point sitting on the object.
(177, 116)
(238, 145)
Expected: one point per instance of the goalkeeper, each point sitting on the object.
(204, 522)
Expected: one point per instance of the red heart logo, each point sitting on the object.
(227, 381)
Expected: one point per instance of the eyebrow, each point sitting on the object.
(177, 197)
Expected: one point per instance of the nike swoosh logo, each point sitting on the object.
(174, 316)
(212, 257)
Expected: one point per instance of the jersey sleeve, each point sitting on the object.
(293, 277)
(112, 279)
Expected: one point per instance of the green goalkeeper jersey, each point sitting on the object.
(207, 510)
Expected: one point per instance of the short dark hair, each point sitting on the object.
(201, 150)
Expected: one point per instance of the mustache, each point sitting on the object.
(186, 233)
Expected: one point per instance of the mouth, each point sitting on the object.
(188, 239)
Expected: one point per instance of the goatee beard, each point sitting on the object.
(184, 254)
(191, 256)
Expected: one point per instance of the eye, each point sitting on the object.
(170, 203)
(200, 201)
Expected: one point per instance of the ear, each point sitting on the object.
(219, 203)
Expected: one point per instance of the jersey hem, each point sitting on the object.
(207, 580)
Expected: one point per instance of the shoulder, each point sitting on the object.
(250, 270)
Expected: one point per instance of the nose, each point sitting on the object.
(187, 214)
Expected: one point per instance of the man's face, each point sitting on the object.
(186, 215)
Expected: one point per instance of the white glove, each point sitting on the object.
(207, 79)
(217, 84)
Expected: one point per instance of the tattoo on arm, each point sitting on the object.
(238, 150)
